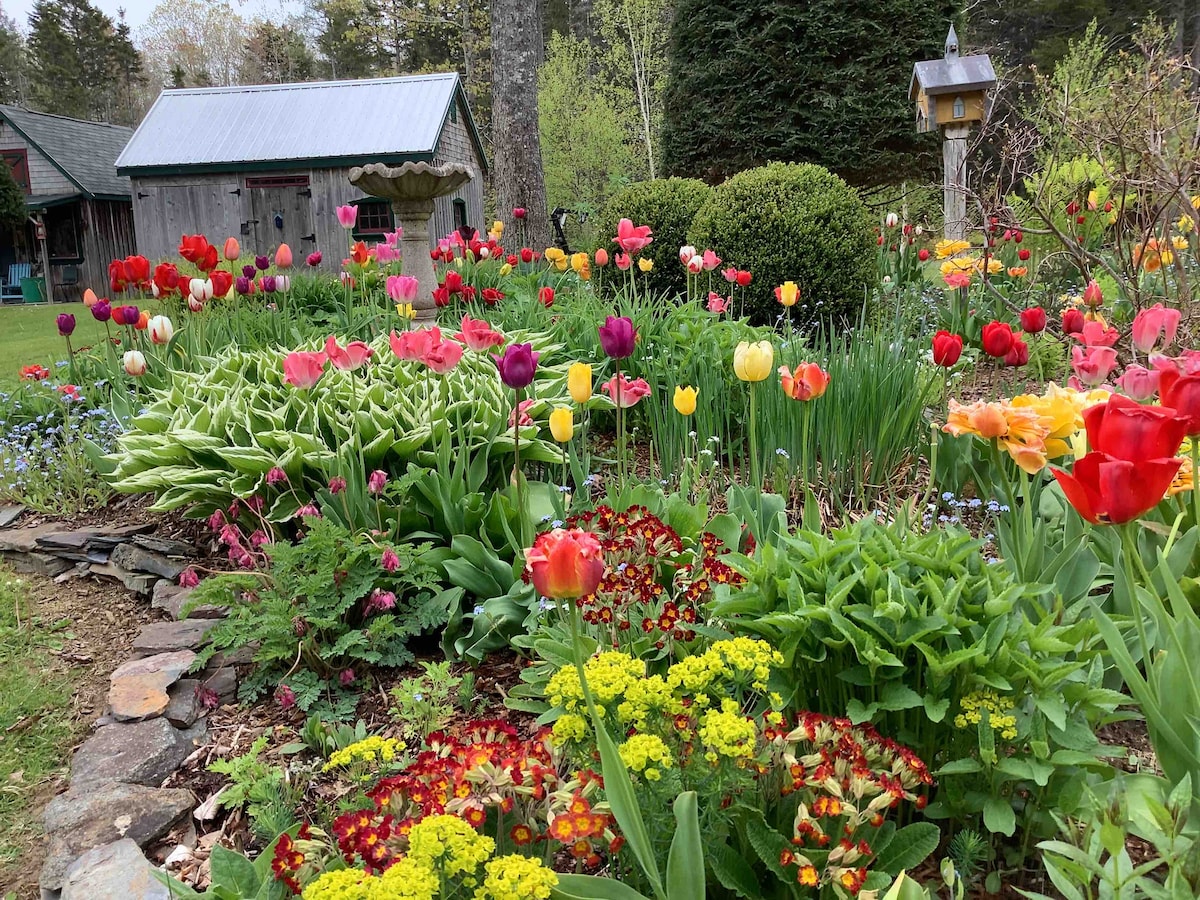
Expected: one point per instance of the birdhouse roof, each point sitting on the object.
(951, 76)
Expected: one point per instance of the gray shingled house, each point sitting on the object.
(268, 164)
(75, 198)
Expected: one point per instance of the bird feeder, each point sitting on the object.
(950, 94)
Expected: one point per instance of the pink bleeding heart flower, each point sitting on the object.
(626, 393)
(353, 356)
(303, 369)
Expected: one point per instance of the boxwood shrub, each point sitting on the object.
(792, 222)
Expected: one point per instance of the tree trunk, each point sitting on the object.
(517, 149)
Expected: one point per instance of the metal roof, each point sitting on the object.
(960, 73)
(85, 152)
(339, 122)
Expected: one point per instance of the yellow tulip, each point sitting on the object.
(579, 261)
(752, 362)
(405, 310)
(685, 400)
(645, 264)
(561, 264)
(562, 424)
(498, 228)
(554, 254)
(579, 382)
(505, 269)
(788, 293)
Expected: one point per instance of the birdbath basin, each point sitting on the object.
(411, 189)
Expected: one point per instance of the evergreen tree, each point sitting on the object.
(12, 201)
(12, 61)
(824, 81)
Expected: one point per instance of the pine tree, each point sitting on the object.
(12, 61)
(12, 201)
(276, 54)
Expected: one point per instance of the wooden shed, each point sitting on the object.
(268, 163)
(80, 217)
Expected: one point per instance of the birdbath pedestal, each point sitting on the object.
(411, 189)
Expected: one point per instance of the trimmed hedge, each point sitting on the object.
(668, 206)
(793, 222)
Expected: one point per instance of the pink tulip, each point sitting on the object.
(632, 238)
(302, 370)
(347, 216)
(353, 356)
(402, 288)
(386, 253)
(624, 261)
(478, 335)
(520, 415)
(626, 393)
(1095, 334)
(695, 265)
(711, 260)
(716, 303)
(414, 344)
(1139, 383)
(1093, 365)
(1092, 295)
(730, 274)
(1150, 324)
(443, 356)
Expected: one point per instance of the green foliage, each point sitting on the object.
(424, 702)
(823, 82)
(583, 124)
(213, 435)
(12, 202)
(995, 683)
(234, 877)
(315, 612)
(261, 787)
(668, 206)
(793, 223)
(12, 61)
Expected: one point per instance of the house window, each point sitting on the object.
(18, 165)
(374, 217)
(960, 108)
(460, 214)
(62, 234)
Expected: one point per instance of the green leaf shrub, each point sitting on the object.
(668, 206)
(996, 683)
(791, 222)
(214, 435)
(324, 605)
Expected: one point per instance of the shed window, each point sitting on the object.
(277, 181)
(960, 108)
(374, 217)
(18, 165)
(460, 214)
(62, 234)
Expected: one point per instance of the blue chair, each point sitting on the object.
(10, 290)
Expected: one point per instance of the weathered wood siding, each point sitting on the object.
(167, 207)
(44, 176)
(107, 235)
(456, 145)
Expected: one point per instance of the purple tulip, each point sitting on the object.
(126, 315)
(262, 262)
(268, 284)
(242, 283)
(314, 258)
(250, 271)
(517, 365)
(66, 324)
(102, 311)
(618, 337)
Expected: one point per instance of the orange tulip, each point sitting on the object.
(89, 298)
(565, 564)
(232, 250)
(143, 321)
(283, 257)
(807, 383)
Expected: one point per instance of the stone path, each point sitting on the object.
(115, 805)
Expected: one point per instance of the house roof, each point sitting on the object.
(274, 126)
(956, 73)
(85, 152)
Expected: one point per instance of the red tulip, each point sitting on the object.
(222, 281)
(527, 256)
(453, 283)
(997, 339)
(519, 212)
(1123, 429)
(1105, 490)
(1182, 394)
(1018, 353)
(744, 278)
(1092, 295)
(923, 255)
(947, 348)
(1033, 320)
(1072, 321)
(565, 564)
(1023, 254)
(546, 296)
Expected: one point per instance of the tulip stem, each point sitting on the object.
(755, 468)
(521, 516)
(1195, 442)
(619, 396)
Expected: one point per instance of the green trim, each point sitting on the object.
(63, 200)
(54, 162)
(273, 165)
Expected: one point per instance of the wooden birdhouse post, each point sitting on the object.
(950, 94)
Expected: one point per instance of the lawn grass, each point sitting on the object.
(36, 726)
(28, 335)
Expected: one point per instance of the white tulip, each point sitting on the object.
(135, 363)
(161, 330)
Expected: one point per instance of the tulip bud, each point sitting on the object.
(686, 253)
(579, 382)
(283, 257)
(314, 259)
(601, 257)
(135, 363)
(66, 324)
(694, 264)
(562, 424)
(89, 298)
(752, 362)
(232, 250)
(892, 220)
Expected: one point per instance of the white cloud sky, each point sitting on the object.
(138, 11)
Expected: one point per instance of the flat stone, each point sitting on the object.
(242, 656)
(10, 514)
(223, 682)
(171, 599)
(34, 563)
(165, 546)
(79, 820)
(165, 637)
(138, 582)
(25, 540)
(137, 559)
(116, 871)
(138, 753)
(138, 689)
(184, 707)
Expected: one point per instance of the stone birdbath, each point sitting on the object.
(411, 188)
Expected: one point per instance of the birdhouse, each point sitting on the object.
(952, 90)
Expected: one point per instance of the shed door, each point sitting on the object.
(280, 213)
(165, 212)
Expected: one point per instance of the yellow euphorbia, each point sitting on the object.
(947, 248)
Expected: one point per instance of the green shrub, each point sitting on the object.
(668, 206)
(790, 222)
